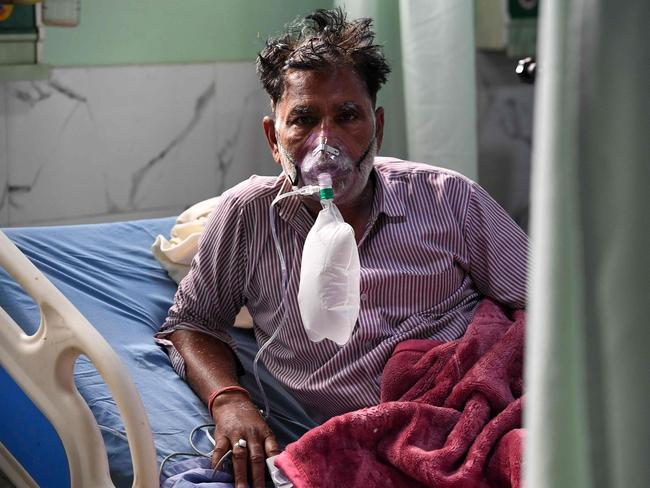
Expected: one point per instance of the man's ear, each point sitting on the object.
(271, 137)
(379, 126)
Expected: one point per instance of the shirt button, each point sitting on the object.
(364, 297)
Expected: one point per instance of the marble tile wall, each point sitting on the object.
(113, 143)
(117, 143)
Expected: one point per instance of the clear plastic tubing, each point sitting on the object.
(305, 190)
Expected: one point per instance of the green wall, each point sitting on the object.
(170, 31)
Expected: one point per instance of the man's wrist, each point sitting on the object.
(229, 403)
(227, 395)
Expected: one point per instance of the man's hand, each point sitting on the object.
(235, 418)
(210, 366)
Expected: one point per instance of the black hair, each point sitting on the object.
(318, 41)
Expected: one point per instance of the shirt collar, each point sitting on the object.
(291, 209)
(390, 194)
(389, 199)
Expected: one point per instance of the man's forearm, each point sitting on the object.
(238, 426)
(209, 363)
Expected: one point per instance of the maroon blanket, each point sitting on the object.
(450, 416)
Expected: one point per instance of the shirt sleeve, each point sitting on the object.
(498, 250)
(210, 296)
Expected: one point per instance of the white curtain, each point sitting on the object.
(430, 99)
(588, 366)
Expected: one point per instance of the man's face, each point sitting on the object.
(333, 108)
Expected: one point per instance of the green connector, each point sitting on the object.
(326, 194)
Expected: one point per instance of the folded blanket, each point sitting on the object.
(176, 254)
(450, 416)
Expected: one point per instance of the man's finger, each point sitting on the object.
(257, 458)
(222, 446)
(239, 461)
(271, 446)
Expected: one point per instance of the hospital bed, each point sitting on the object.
(88, 398)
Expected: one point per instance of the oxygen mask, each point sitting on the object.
(321, 153)
(326, 154)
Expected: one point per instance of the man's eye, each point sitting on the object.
(348, 116)
(303, 120)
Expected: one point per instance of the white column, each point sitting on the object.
(439, 82)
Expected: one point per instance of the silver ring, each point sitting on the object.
(240, 443)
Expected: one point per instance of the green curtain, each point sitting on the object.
(588, 368)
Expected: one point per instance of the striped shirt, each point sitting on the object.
(435, 243)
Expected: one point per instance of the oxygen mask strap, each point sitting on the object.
(295, 177)
(365, 153)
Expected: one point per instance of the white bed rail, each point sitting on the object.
(42, 365)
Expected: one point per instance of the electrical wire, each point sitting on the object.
(284, 418)
(197, 452)
(175, 454)
(210, 438)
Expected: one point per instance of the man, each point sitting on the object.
(431, 244)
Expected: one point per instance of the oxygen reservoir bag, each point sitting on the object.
(328, 295)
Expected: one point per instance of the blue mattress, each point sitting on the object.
(108, 272)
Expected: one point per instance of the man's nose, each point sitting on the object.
(323, 128)
(327, 128)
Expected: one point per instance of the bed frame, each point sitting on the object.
(42, 366)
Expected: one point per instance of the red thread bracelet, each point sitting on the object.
(226, 389)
